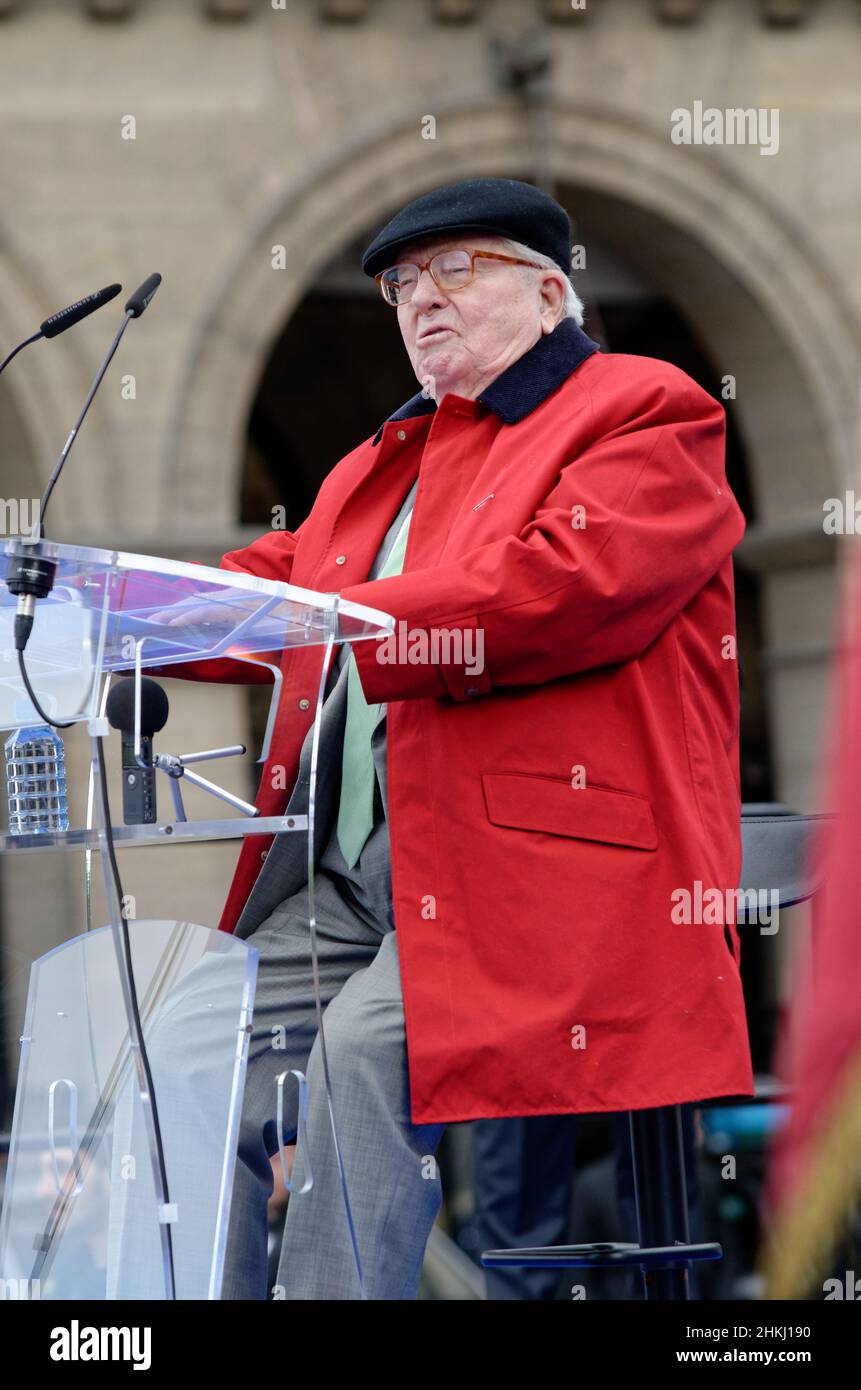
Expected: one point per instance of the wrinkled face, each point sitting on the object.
(461, 340)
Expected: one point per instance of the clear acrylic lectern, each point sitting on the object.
(87, 1211)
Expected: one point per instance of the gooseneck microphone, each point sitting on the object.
(137, 302)
(139, 794)
(135, 306)
(58, 323)
(29, 578)
(66, 318)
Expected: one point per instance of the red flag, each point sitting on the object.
(815, 1166)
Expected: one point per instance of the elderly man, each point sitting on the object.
(514, 789)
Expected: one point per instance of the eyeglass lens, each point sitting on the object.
(451, 270)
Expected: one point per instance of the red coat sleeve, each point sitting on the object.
(269, 557)
(558, 598)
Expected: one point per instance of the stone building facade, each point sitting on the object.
(247, 149)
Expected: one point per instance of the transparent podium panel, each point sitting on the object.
(80, 1216)
(61, 656)
(103, 603)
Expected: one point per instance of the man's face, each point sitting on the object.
(460, 341)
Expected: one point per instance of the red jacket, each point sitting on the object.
(578, 514)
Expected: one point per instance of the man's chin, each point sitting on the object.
(440, 371)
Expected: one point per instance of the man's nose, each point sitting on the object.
(427, 292)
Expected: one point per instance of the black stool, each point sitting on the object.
(775, 844)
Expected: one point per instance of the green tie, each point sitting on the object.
(358, 774)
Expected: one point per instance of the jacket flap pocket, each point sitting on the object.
(533, 802)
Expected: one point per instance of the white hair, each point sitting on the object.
(572, 307)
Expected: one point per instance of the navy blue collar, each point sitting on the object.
(526, 383)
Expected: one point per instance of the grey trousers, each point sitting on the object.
(389, 1163)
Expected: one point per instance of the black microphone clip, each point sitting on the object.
(28, 577)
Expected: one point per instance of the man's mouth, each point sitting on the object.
(433, 333)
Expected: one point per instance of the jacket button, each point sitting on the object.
(340, 559)
(402, 434)
(304, 704)
(263, 853)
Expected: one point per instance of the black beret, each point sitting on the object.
(496, 207)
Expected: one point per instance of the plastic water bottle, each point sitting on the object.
(36, 781)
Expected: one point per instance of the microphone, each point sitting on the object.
(137, 302)
(66, 318)
(22, 578)
(139, 797)
(59, 322)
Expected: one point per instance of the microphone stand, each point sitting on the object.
(38, 526)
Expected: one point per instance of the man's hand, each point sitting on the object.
(193, 613)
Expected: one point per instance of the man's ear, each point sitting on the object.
(552, 298)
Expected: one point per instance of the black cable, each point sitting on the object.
(46, 718)
(133, 995)
(14, 353)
